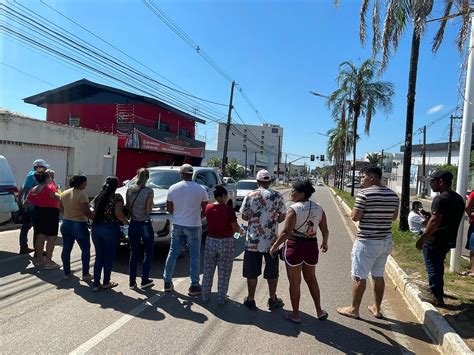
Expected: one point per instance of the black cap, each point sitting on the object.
(443, 175)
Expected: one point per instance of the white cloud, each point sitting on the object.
(435, 109)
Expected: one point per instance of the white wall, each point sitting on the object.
(86, 148)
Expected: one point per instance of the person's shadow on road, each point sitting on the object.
(331, 333)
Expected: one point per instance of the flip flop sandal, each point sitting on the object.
(111, 284)
(287, 316)
(324, 316)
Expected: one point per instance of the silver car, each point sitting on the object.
(161, 178)
(243, 188)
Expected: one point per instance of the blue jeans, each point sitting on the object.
(179, 236)
(434, 264)
(106, 238)
(137, 232)
(25, 227)
(72, 231)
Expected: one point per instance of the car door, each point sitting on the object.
(212, 181)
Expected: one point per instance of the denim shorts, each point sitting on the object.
(370, 256)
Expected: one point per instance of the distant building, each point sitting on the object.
(150, 132)
(436, 153)
(254, 146)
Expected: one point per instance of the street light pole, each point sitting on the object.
(464, 147)
(227, 128)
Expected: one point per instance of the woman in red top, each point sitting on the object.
(45, 200)
(219, 249)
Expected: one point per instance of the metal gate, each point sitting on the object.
(20, 156)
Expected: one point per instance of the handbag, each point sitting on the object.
(128, 211)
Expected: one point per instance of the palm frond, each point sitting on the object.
(375, 29)
(362, 25)
(438, 38)
(464, 30)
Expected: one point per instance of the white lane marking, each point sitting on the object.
(397, 330)
(105, 333)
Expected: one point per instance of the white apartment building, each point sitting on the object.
(254, 146)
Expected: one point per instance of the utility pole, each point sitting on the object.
(227, 128)
(423, 163)
(245, 162)
(383, 169)
(464, 147)
(278, 162)
(255, 166)
(286, 170)
(450, 138)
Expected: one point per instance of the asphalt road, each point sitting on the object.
(43, 313)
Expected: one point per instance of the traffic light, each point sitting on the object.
(312, 157)
(321, 158)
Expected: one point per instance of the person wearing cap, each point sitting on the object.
(39, 165)
(186, 201)
(263, 209)
(440, 235)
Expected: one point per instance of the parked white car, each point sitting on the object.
(8, 191)
(161, 178)
(243, 188)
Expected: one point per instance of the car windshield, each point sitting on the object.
(247, 185)
(161, 179)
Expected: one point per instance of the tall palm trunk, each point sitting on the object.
(405, 203)
(354, 143)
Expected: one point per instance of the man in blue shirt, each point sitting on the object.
(30, 182)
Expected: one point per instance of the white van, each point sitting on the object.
(8, 191)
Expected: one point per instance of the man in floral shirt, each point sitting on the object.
(263, 209)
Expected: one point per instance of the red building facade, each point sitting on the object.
(150, 132)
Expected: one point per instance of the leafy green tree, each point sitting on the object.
(361, 95)
(234, 170)
(214, 162)
(375, 159)
(399, 14)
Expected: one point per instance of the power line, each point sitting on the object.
(198, 49)
(28, 74)
(90, 56)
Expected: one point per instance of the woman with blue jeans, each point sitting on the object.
(76, 211)
(108, 208)
(140, 204)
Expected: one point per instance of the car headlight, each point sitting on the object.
(161, 208)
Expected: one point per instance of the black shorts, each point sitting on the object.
(46, 221)
(253, 265)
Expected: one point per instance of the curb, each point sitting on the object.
(438, 328)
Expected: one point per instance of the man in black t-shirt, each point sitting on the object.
(441, 232)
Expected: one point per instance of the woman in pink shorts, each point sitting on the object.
(301, 246)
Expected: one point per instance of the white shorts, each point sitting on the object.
(370, 256)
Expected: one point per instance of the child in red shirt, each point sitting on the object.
(219, 248)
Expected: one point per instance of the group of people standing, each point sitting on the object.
(297, 245)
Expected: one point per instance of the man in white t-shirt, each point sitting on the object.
(417, 218)
(186, 201)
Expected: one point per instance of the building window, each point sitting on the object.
(275, 130)
(165, 127)
(263, 132)
(263, 137)
(261, 147)
(261, 152)
(74, 121)
(184, 132)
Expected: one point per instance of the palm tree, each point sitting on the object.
(400, 13)
(233, 169)
(214, 162)
(339, 145)
(375, 158)
(361, 95)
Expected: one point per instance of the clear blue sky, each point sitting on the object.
(277, 51)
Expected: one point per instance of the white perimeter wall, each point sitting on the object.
(85, 148)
